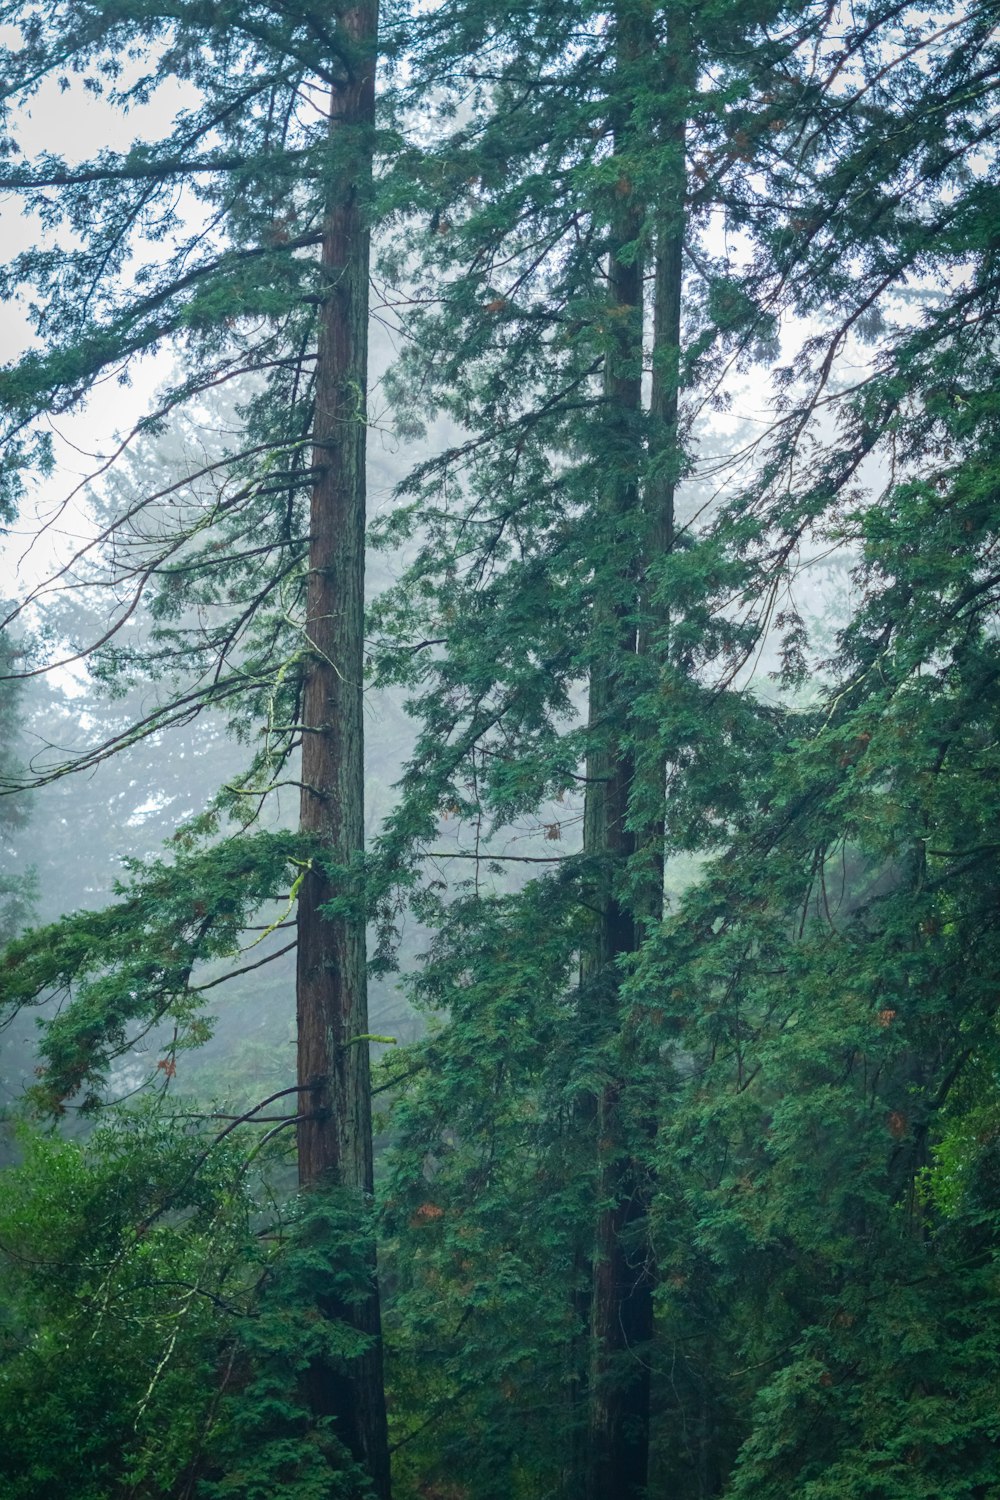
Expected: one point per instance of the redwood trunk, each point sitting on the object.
(619, 783)
(335, 1140)
(621, 1308)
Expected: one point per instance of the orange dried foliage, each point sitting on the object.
(426, 1214)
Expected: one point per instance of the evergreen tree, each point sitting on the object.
(259, 271)
(837, 157)
(539, 350)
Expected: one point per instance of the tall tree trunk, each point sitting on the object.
(678, 75)
(664, 462)
(621, 1292)
(335, 1140)
(624, 815)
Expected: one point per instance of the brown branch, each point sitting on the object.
(198, 989)
(516, 859)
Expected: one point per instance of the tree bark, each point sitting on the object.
(624, 823)
(621, 1292)
(335, 1138)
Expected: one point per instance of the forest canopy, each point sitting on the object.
(500, 747)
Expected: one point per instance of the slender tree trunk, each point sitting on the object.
(335, 1140)
(680, 73)
(624, 816)
(621, 1293)
(664, 454)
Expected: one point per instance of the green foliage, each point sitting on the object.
(486, 1196)
(125, 969)
(116, 1322)
(161, 1319)
(268, 1444)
